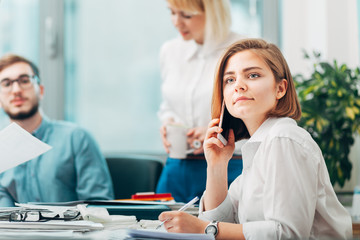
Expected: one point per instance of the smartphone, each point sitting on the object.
(224, 121)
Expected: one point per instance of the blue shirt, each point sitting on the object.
(74, 169)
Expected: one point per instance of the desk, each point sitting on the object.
(113, 229)
(114, 232)
(118, 234)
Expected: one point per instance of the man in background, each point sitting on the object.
(74, 169)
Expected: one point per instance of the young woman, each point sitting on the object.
(284, 191)
(188, 64)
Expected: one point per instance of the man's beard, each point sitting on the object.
(23, 115)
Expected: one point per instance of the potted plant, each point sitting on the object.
(330, 104)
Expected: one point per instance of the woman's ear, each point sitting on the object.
(281, 88)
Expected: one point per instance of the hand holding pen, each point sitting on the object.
(183, 208)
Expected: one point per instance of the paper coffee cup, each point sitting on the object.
(176, 135)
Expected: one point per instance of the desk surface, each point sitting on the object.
(118, 234)
(113, 229)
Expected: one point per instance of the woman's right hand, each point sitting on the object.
(182, 222)
(164, 139)
(217, 157)
(214, 149)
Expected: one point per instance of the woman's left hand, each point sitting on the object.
(196, 134)
(182, 222)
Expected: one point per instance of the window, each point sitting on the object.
(105, 72)
(19, 30)
(112, 68)
(247, 17)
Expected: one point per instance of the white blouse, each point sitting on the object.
(187, 71)
(284, 191)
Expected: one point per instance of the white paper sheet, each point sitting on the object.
(79, 225)
(158, 234)
(18, 146)
(17, 234)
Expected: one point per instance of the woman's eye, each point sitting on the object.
(254, 75)
(229, 80)
(187, 16)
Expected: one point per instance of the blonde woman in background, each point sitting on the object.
(187, 68)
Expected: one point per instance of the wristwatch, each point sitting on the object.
(212, 228)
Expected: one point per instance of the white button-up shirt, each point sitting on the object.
(187, 71)
(284, 191)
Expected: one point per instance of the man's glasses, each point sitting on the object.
(38, 216)
(24, 81)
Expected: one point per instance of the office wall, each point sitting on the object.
(112, 71)
(99, 61)
(19, 33)
(330, 27)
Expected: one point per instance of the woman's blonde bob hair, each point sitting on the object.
(287, 106)
(217, 15)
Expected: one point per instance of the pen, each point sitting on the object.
(183, 208)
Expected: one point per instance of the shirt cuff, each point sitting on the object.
(223, 213)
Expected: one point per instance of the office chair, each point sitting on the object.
(131, 174)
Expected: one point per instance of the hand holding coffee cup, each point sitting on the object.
(177, 137)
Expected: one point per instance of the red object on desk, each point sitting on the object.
(152, 196)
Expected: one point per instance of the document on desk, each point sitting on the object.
(79, 225)
(18, 146)
(158, 234)
(36, 234)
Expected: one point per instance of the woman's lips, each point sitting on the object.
(241, 99)
(184, 33)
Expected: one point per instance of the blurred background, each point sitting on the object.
(99, 59)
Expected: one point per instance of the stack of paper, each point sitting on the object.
(35, 234)
(121, 222)
(80, 225)
(149, 224)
